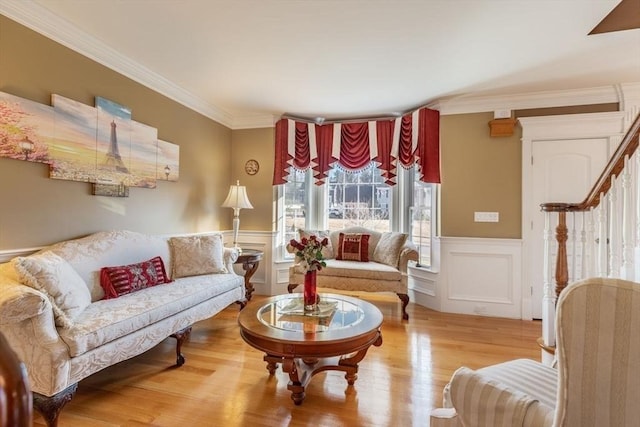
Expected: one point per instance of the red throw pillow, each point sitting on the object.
(125, 279)
(353, 247)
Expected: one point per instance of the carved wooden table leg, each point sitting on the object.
(350, 364)
(50, 407)
(181, 336)
(250, 260)
(296, 384)
(250, 268)
(272, 363)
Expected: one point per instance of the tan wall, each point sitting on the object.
(36, 210)
(257, 144)
(479, 173)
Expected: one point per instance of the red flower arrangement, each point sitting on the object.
(309, 250)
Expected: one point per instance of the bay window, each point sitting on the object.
(378, 174)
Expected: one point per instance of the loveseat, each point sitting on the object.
(377, 265)
(596, 382)
(81, 305)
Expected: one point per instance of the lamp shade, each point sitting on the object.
(237, 198)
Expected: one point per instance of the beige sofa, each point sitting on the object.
(53, 314)
(385, 271)
(597, 380)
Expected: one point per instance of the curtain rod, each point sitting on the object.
(323, 121)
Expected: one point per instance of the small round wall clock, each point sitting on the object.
(252, 167)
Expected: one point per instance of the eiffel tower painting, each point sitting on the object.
(113, 158)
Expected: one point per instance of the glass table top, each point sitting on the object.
(287, 314)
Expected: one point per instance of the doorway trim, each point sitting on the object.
(571, 126)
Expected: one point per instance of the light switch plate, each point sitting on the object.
(486, 216)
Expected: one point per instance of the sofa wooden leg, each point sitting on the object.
(405, 301)
(50, 406)
(181, 336)
(291, 287)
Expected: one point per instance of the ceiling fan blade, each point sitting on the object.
(625, 16)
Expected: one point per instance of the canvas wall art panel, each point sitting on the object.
(26, 129)
(143, 155)
(100, 144)
(113, 143)
(168, 161)
(74, 156)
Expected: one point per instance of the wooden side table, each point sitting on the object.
(250, 260)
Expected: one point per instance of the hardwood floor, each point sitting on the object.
(224, 381)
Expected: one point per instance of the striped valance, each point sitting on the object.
(411, 139)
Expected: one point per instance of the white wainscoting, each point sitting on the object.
(481, 276)
(423, 288)
(262, 241)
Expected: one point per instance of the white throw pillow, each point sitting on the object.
(389, 247)
(53, 276)
(195, 255)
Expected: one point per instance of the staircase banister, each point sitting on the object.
(559, 207)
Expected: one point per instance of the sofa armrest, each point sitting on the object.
(408, 253)
(479, 401)
(19, 302)
(20, 305)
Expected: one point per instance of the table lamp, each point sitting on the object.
(237, 199)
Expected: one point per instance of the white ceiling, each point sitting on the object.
(244, 59)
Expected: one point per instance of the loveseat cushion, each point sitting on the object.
(334, 236)
(356, 270)
(388, 249)
(106, 320)
(353, 247)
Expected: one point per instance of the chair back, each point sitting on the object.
(598, 351)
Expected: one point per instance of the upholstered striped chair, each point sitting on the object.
(597, 381)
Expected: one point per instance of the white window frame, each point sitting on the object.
(401, 207)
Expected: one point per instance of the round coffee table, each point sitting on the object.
(335, 338)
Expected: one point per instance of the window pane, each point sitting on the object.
(294, 206)
(421, 221)
(358, 198)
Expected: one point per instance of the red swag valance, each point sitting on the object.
(411, 139)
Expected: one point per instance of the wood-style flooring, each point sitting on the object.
(224, 381)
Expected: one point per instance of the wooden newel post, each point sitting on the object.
(562, 272)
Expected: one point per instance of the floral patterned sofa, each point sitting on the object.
(377, 265)
(81, 305)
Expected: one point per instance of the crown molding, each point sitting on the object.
(43, 21)
(522, 101)
(254, 121)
